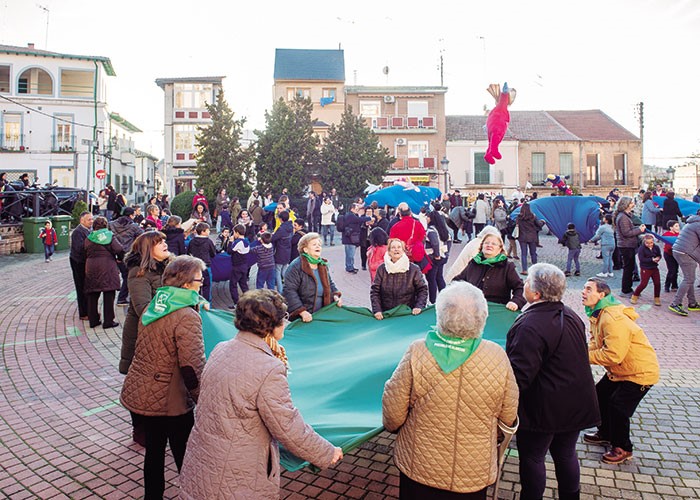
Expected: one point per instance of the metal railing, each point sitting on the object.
(426, 163)
(400, 122)
(14, 143)
(16, 204)
(62, 143)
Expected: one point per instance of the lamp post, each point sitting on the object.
(445, 164)
(671, 174)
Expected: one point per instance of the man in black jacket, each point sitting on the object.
(77, 261)
(548, 351)
(351, 237)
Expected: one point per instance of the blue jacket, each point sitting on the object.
(646, 256)
(649, 211)
(606, 235)
(282, 241)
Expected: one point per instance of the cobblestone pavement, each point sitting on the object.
(63, 433)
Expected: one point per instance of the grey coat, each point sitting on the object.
(300, 287)
(626, 231)
(688, 241)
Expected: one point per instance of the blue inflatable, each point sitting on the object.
(559, 211)
(687, 207)
(393, 195)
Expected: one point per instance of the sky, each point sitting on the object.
(599, 54)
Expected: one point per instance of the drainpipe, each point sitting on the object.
(94, 128)
(580, 166)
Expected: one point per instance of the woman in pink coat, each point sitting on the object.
(245, 408)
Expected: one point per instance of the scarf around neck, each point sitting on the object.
(169, 299)
(450, 352)
(480, 259)
(313, 260)
(400, 266)
(608, 300)
(277, 349)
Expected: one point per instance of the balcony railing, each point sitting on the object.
(401, 122)
(62, 143)
(15, 143)
(410, 163)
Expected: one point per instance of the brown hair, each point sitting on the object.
(391, 240)
(174, 220)
(99, 223)
(182, 270)
(260, 312)
(142, 247)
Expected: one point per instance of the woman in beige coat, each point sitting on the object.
(445, 400)
(245, 409)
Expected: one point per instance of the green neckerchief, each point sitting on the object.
(450, 352)
(101, 236)
(479, 259)
(313, 260)
(608, 300)
(168, 299)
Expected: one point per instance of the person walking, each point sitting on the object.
(686, 251)
(482, 213)
(282, 241)
(627, 238)
(572, 241)
(77, 261)
(351, 237)
(528, 228)
(606, 235)
(546, 346)
(49, 239)
(670, 237)
(649, 256)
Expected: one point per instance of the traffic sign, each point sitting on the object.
(101, 174)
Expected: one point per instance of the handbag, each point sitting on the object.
(415, 250)
(516, 232)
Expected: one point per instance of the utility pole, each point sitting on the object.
(639, 111)
(46, 36)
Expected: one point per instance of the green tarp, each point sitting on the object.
(340, 361)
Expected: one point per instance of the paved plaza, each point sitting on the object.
(63, 433)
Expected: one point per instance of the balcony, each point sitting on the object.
(12, 143)
(405, 163)
(403, 123)
(62, 143)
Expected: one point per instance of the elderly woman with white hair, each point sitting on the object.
(468, 253)
(447, 418)
(547, 348)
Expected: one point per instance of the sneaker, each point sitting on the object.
(47, 261)
(602, 275)
(617, 456)
(594, 438)
(678, 309)
(694, 307)
(599, 256)
(577, 273)
(611, 275)
(457, 241)
(634, 299)
(667, 290)
(567, 273)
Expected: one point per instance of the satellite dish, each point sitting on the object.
(385, 70)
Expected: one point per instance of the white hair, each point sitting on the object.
(547, 280)
(461, 310)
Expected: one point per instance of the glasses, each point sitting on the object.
(285, 319)
(201, 280)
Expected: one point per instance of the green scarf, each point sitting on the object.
(313, 260)
(168, 299)
(606, 301)
(450, 352)
(479, 259)
(101, 236)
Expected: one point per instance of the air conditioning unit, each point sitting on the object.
(400, 141)
(389, 99)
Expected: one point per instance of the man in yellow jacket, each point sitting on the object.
(630, 362)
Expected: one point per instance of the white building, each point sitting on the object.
(185, 110)
(51, 105)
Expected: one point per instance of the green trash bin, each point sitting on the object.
(31, 227)
(61, 223)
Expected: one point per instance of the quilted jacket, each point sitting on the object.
(625, 231)
(244, 410)
(447, 423)
(163, 379)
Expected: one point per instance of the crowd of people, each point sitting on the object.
(542, 381)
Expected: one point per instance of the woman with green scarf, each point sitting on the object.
(308, 285)
(445, 400)
(496, 276)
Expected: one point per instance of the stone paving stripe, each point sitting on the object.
(108, 406)
(71, 332)
(36, 297)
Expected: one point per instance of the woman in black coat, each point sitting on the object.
(528, 226)
(102, 251)
(496, 276)
(398, 281)
(671, 209)
(548, 351)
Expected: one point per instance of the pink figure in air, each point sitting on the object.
(498, 119)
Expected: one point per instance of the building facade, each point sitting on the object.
(185, 110)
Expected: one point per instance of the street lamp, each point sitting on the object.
(445, 164)
(671, 174)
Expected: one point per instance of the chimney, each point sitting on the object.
(30, 45)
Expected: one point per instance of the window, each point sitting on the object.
(328, 93)
(538, 168)
(35, 81)
(4, 79)
(417, 149)
(117, 185)
(131, 185)
(418, 109)
(12, 132)
(184, 137)
(620, 168)
(370, 109)
(63, 138)
(193, 95)
(592, 170)
(64, 176)
(482, 170)
(76, 83)
(294, 92)
(566, 164)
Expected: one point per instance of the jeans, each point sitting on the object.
(532, 449)
(78, 270)
(607, 251)
(573, 255)
(328, 230)
(349, 257)
(628, 263)
(688, 265)
(617, 402)
(646, 275)
(49, 250)
(436, 281)
(280, 270)
(218, 224)
(532, 246)
(265, 277)
(672, 272)
(124, 290)
(159, 432)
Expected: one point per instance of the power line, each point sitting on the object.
(45, 114)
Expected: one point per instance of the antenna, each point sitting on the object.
(385, 70)
(442, 51)
(46, 36)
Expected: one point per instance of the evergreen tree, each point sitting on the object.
(352, 154)
(222, 162)
(287, 150)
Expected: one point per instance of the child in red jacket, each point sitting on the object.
(48, 234)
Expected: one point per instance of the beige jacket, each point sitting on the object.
(447, 423)
(164, 376)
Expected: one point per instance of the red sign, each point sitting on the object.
(101, 174)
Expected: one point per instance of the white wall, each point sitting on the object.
(461, 156)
